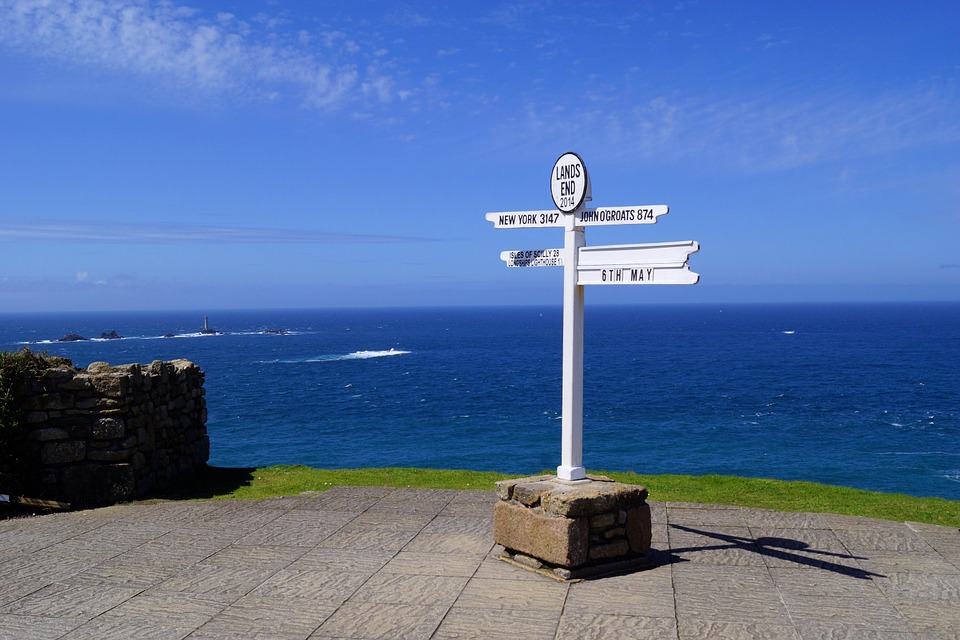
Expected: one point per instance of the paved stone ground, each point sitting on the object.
(363, 562)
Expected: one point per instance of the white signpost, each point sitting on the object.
(656, 263)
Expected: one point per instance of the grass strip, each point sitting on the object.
(221, 483)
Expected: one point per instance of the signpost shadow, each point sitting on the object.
(780, 548)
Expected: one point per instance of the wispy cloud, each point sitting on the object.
(210, 53)
(96, 232)
(760, 133)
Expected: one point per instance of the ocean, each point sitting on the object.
(860, 395)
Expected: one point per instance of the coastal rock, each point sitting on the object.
(72, 337)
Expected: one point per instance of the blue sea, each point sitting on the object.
(861, 395)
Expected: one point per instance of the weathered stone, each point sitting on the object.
(112, 385)
(63, 372)
(607, 551)
(108, 429)
(529, 493)
(603, 521)
(109, 456)
(618, 532)
(505, 488)
(578, 501)
(558, 541)
(50, 433)
(36, 417)
(527, 561)
(50, 402)
(63, 451)
(639, 528)
(76, 383)
(99, 367)
(593, 498)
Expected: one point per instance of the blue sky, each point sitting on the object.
(203, 155)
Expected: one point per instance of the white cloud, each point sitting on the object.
(181, 46)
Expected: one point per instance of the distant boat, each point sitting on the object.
(276, 332)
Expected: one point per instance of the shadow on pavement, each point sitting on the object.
(207, 483)
(781, 548)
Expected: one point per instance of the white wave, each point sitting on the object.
(363, 355)
(789, 333)
(337, 357)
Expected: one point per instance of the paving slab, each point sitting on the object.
(379, 563)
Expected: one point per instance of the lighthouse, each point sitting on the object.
(206, 328)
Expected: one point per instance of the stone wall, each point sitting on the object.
(110, 434)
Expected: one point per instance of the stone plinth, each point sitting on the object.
(572, 529)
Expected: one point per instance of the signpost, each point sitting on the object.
(656, 263)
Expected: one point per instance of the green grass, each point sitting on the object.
(218, 483)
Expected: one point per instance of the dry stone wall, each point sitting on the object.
(114, 433)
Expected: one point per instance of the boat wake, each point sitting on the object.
(337, 357)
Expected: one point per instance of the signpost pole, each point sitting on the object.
(571, 445)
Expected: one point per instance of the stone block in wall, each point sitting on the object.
(559, 541)
(36, 417)
(639, 528)
(50, 433)
(50, 402)
(63, 451)
(112, 385)
(109, 455)
(77, 382)
(108, 429)
(608, 551)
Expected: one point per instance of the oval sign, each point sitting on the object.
(568, 182)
